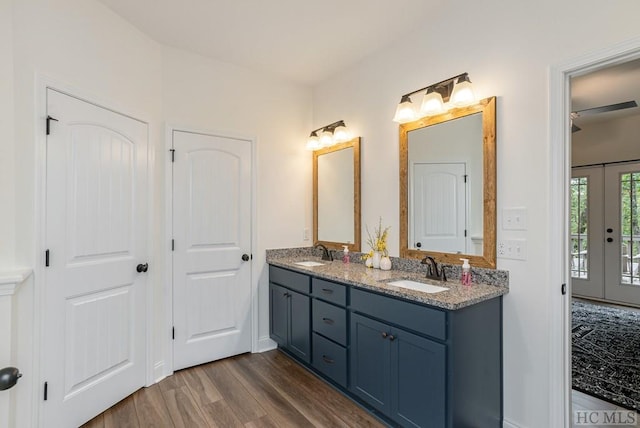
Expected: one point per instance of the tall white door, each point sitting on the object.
(94, 351)
(212, 248)
(438, 206)
(605, 232)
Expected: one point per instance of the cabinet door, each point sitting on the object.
(300, 326)
(417, 380)
(278, 314)
(370, 362)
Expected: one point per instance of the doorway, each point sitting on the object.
(604, 232)
(559, 254)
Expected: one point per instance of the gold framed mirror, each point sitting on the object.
(336, 196)
(448, 186)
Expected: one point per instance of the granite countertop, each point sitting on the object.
(356, 274)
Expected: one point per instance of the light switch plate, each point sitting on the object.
(305, 234)
(515, 249)
(514, 218)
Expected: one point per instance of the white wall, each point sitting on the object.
(507, 48)
(204, 94)
(610, 141)
(7, 213)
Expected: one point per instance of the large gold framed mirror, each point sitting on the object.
(336, 196)
(448, 186)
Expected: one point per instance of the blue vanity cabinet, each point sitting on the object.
(401, 374)
(290, 311)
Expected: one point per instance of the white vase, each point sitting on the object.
(385, 263)
(376, 260)
(368, 262)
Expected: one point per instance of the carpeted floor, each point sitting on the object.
(606, 353)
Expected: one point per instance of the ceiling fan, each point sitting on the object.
(595, 110)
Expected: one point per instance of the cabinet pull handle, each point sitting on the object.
(328, 360)
(328, 321)
(392, 338)
(384, 334)
(327, 291)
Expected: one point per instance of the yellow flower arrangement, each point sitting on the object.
(377, 241)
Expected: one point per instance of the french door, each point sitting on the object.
(605, 232)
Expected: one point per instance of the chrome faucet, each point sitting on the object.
(326, 254)
(432, 269)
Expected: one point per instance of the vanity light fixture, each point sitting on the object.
(457, 90)
(334, 133)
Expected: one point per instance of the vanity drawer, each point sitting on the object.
(330, 321)
(421, 319)
(293, 280)
(329, 291)
(330, 359)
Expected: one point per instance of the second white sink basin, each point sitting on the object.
(418, 286)
(309, 263)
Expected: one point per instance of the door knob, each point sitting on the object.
(418, 244)
(9, 377)
(142, 267)
(609, 239)
(245, 257)
(609, 230)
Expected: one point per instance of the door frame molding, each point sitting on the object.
(43, 82)
(170, 128)
(560, 175)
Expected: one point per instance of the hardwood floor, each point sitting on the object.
(249, 390)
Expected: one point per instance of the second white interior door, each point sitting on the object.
(212, 248)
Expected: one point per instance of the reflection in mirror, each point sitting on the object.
(447, 181)
(445, 186)
(336, 195)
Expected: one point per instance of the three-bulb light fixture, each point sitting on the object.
(456, 91)
(329, 135)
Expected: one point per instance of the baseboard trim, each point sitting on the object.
(158, 371)
(266, 344)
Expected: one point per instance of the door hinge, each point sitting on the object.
(46, 390)
(49, 119)
(173, 245)
(46, 258)
(465, 233)
(252, 256)
(173, 333)
(173, 155)
(465, 178)
(564, 289)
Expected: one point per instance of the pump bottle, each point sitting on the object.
(465, 278)
(345, 256)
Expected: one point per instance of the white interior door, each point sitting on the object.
(94, 309)
(439, 207)
(212, 247)
(587, 234)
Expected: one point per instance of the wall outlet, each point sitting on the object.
(515, 249)
(305, 234)
(514, 219)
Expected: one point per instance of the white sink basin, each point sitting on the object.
(418, 286)
(309, 263)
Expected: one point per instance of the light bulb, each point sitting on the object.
(313, 143)
(432, 103)
(326, 138)
(462, 94)
(341, 133)
(405, 111)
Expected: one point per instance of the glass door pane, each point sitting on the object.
(629, 227)
(579, 227)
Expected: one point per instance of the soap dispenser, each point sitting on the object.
(345, 254)
(465, 278)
